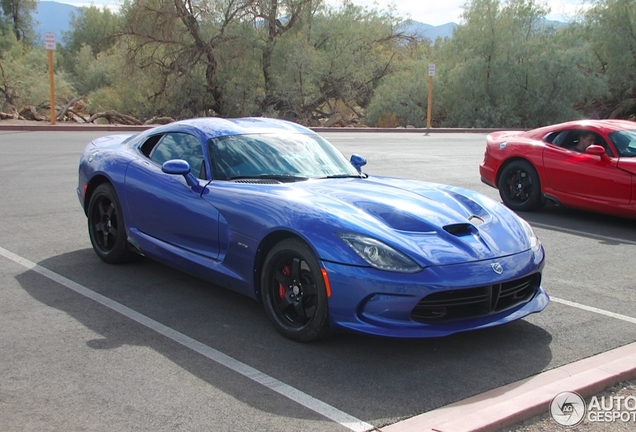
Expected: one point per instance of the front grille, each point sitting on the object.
(457, 304)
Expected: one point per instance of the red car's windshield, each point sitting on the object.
(625, 142)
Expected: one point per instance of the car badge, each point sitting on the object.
(503, 145)
(497, 268)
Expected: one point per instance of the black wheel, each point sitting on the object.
(294, 292)
(106, 226)
(519, 186)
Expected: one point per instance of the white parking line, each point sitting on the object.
(579, 305)
(593, 309)
(279, 387)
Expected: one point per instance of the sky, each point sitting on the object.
(438, 12)
(434, 12)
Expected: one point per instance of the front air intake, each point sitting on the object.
(458, 304)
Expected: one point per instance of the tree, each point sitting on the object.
(401, 99)
(18, 13)
(178, 38)
(92, 32)
(339, 62)
(506, 68)
(274, 18)
(93, 27)
(610, 28)
(24, 79)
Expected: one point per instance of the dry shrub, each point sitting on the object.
(388, 120)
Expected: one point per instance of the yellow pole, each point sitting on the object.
(51, 85)
(430, 101)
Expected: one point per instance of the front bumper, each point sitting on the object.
(382, 303)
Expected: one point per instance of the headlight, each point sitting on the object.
(535, 244)
(380, 255)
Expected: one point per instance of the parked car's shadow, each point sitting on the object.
(378, 380)
(580, 222)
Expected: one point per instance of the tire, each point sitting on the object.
(106, 226)
(519, 186)
(295, 297)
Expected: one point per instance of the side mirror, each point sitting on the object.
(180, 167)
(597, 150)
(358, 162)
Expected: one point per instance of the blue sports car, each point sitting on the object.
(271, 210)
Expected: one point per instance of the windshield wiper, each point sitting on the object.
(337, 176)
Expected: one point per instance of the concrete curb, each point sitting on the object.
(521, 400)
(72, 128)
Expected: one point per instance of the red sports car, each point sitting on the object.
(588, 164)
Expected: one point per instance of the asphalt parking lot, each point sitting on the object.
(90, 346)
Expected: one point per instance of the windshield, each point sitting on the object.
(625, 142)
(277, 156)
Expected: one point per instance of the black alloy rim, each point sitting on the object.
(293, 291)
(105, 224)
(519, 185)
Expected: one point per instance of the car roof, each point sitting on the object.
(213, 127)
(606, 125)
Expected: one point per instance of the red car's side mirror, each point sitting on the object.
(597, 150)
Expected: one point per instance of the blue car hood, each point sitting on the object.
(434, 224)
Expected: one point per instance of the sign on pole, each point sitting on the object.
(431, 69)
(49, 41)
(49, 44)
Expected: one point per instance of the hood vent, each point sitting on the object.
(460, 229)
(476, 220)
(257, 181)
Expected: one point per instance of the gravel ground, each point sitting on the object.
(624, 391)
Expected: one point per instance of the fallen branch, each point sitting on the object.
(67, 107)
(8, 116)
(159, 120)
(114, 117)
(31, 113)
(74, 116)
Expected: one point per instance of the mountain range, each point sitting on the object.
(54, 17)
(420, 30)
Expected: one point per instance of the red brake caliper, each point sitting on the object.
(281, 288)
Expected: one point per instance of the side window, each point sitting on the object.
(146, 147)
(180, 146)
(576, 135)
(599, 140)
(569, 139)
(556, 138)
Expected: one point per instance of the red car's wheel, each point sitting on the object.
(519, 186)
(294, 292)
